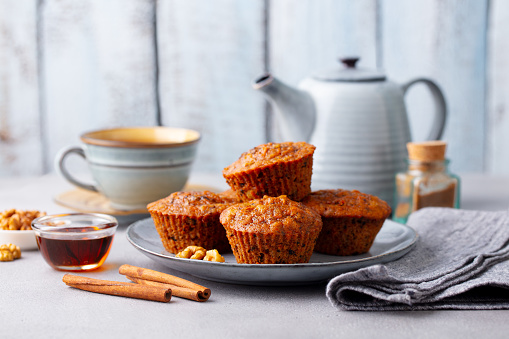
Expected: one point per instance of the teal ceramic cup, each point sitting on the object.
(134, 166)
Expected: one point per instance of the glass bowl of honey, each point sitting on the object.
(75, 241)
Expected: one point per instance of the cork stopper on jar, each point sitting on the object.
(426, 150)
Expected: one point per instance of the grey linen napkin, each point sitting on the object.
(460, 261)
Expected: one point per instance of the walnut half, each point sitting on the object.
(199, 253)
(9, 252)
(213, 255)
(192, 252)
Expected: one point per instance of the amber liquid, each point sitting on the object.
(75, 255)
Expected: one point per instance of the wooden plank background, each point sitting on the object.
(67, 67)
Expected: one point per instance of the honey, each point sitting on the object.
(75, 241)
(75, 255)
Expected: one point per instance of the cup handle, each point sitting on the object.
(60, 165)
(438, 125)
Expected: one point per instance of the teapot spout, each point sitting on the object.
(294, 109)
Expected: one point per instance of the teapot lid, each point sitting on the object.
(349, 73)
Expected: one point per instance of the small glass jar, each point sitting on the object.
(427, 182)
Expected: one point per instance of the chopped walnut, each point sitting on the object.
(14, 219)
(8, 213)
(213, 255)
(14, 222)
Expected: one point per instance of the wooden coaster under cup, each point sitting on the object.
(82, 200)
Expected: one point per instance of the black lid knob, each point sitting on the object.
(349, 62)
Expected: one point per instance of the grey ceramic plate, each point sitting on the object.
(392, 242)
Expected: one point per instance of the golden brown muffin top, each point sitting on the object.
(230, 196)
(344, 203)
(198, 203)
(271, 215)
(271, 153)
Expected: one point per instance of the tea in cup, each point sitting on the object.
(134, 166)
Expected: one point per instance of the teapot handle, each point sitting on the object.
(440, 107)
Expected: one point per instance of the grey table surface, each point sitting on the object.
(34, 302)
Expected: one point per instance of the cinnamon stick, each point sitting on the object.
(123, 289)
(177, 291)
(180, 287)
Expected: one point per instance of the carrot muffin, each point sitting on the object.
(190, 218)
(230, 196)
(272, 169)
(271, 231)
(351, 220)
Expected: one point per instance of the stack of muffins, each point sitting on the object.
(270, 215)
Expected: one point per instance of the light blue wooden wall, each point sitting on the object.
(67, 67)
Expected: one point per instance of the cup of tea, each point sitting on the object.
(133, 166)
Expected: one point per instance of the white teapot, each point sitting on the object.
(357, 120)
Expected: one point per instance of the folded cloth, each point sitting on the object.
(460, 261)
